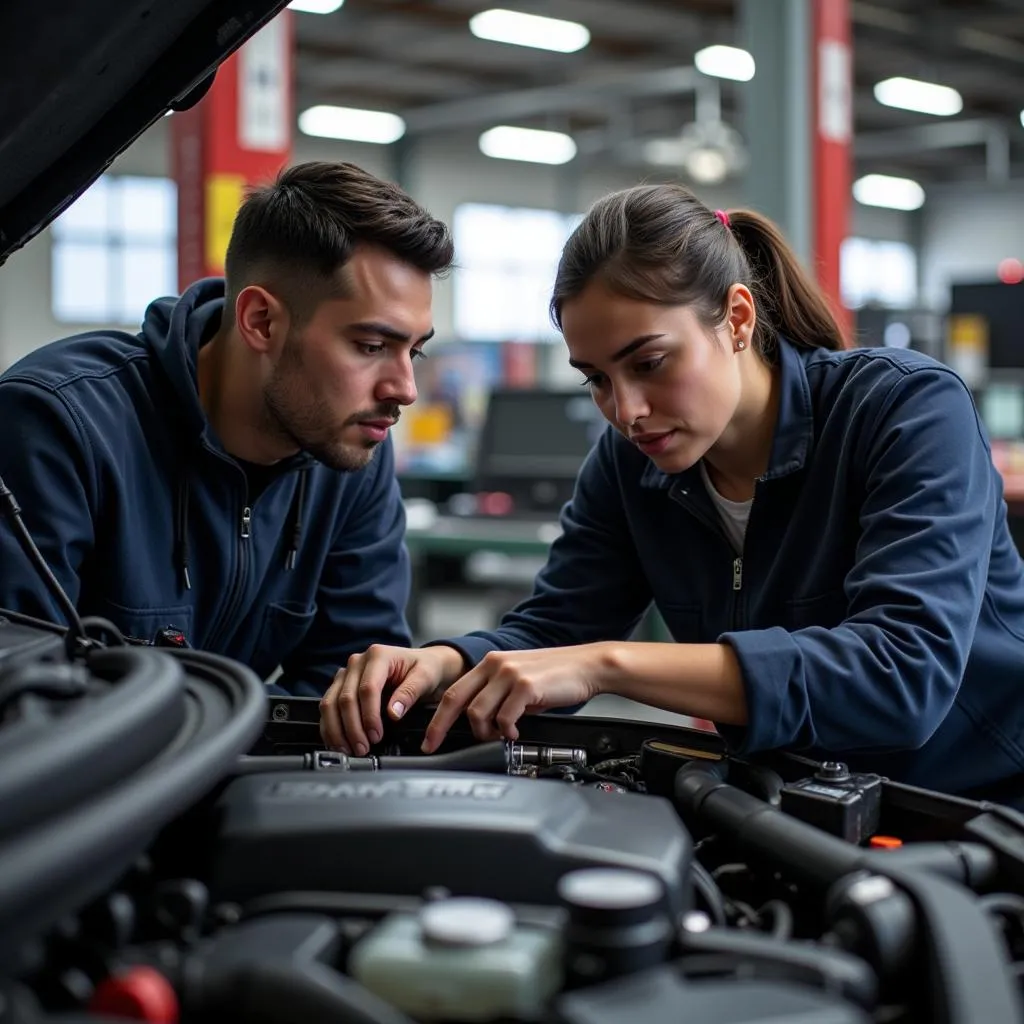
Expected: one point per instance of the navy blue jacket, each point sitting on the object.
(127, 491)
(877, 611)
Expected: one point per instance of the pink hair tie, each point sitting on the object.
(723, 217)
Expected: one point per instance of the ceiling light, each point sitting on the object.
(501, 26)
(725, 62)
(315, 6)
(1022, 118)
(529, 144)
(922, 97)
(349, 123)
(891, 193)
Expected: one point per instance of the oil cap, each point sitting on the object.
(618, 923)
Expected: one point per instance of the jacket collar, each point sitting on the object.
(794, 429)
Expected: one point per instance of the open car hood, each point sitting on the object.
(81, 81)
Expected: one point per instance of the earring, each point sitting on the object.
(741, 344)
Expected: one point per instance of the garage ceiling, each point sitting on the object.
(418, 58)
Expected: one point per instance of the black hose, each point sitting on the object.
(767, 837)
(51, 763)
(71, 857)
(485, 757)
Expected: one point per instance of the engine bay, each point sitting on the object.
(177, 846)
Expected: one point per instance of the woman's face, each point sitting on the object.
(657, 374)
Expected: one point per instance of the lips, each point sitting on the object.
(653, 444)
(378, 424)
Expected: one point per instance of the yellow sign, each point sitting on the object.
(224, 194)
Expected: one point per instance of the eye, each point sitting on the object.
(417, 353)
(595, 380)
(649, 365)
(369, 348)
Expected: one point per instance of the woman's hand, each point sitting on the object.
(350, 709)
(506, 685)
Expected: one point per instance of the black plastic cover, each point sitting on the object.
(656, 996)
(400, 832)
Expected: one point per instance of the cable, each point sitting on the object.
(781, 916)
(12, 510)
(714, 901)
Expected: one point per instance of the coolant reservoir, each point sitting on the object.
(462, 959)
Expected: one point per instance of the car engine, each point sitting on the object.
(175, 846)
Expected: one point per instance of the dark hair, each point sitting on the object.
(661, 244)
(298, 231)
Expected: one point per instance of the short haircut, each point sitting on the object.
(293, 235)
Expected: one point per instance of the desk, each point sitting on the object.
(464, 535)
(460, 537)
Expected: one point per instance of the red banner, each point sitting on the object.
(239, 134)
(833, 136)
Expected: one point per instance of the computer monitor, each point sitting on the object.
(532, 445)
(1001, 405)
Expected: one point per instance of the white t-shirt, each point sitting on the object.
(734, 514)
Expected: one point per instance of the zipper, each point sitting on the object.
(680, 496)
(236, 587)
(737, 588)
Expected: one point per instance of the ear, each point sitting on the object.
(261, 319)
(740, 316)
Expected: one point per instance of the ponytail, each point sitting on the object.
(784, 293)
(661, 244)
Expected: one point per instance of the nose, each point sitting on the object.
(630, 405)
(399, 383)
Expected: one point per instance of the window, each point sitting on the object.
(881, 273)
(507, 258)
(115, 250)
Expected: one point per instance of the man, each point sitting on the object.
(227, 473)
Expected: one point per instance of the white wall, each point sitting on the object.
(965, 233)
(25, 279)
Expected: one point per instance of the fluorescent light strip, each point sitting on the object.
(725, 62)
(888, 192)
(354, 125)
(527, 144)
(502, 26)
(921, 97)
(315, 6)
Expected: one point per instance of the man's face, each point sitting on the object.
(341, 379)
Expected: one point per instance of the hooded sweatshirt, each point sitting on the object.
(148, 522)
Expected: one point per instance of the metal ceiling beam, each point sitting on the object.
(945, 135)
(902, 142)
(961, 35)
(592, 94)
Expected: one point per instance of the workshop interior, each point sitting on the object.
(176, 843)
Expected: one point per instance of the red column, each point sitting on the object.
(239, 134)
(833, 136)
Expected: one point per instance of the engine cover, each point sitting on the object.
(400, 832)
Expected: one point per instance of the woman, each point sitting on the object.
(821, 529)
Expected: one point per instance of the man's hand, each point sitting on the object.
(508, 684)
(350, 709)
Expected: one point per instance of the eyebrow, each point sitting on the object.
(626, 350)
(387, 332)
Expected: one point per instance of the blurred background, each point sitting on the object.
(885, 136)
